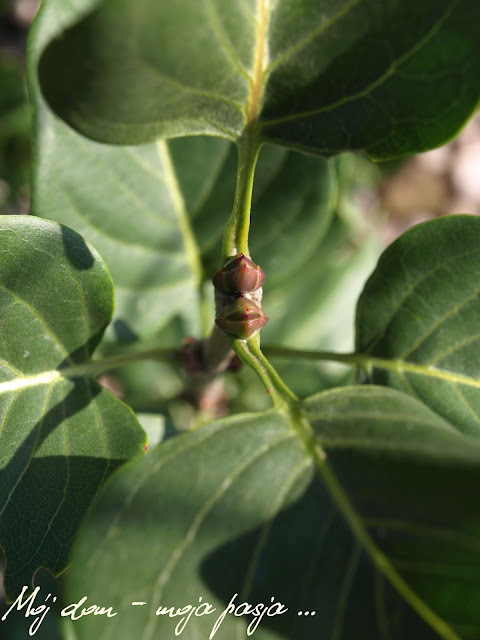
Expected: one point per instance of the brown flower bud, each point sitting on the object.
(238, 275)
(241, 318)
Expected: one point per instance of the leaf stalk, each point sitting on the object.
(250, 353)
(236, 232)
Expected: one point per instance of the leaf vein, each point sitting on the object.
(225, 41)
(191, 247)
(36, 314)
(203, 93)
(345, 592)
(373, 85)
(306, 39)
(441, 320)
(197, 521)
(465, 541)
(412, 288)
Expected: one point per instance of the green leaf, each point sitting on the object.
(61, 434)
(128, 204)
(126, 201)
(417, 318)
(236, 508)
(119, 200)
(409, 475)
(322, 77)
(159, 219)
(157, 212)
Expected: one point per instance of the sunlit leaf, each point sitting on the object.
(61, 434)
(417, 318)
(386, 79)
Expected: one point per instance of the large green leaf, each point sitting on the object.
(157, 212)
(417, 318)
(236, 508)
(409, 477)
(118, 199)
(127, 203)
(61, 434)
(323, 76)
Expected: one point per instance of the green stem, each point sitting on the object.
(205, 312)
(250, 354)
(236, 232)
(341, 499)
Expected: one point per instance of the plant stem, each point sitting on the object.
(235, 239)
(250, 354)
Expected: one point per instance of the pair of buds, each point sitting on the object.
(242, 317)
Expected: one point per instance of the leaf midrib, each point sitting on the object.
(368, 362)
(259, 66)
(191, 247)
(402, 366)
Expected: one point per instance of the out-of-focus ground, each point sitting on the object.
(436, 183)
